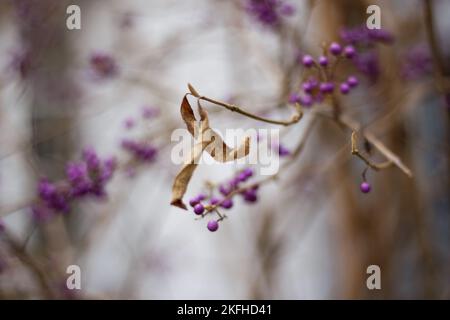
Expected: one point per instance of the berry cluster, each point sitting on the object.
(269, 12)
(87, 177)
(141, 151)
(316, 87)
(367, 61)
(203, 204)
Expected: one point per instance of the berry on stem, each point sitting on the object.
(352, 81)
(198, 209)
(323, 61)
(227, 204)
(349, 52)
(344, 88)
(335, 48)
(365, 187)
(307, 61)
(213, 225)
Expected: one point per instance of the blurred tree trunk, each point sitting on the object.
(49, 83)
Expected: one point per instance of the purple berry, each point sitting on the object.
(308, 87)
(149, 112)
(201, 197)
(227, 204)
(326, 87)
(365, 187)
(283, 151)
(345, 88)
(352, 81)
(349, 52)
(199, 208)
(224, 190)
(242, 177)
(335, 48)
(250, 195)
(213, 225)
(287, 9)
(213, 201)
(306, 100)
(294, 97)
(323, 61)
(193, 202)
(129, 123)
(307, 61)
(248, 172)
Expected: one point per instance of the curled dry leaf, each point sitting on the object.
(206, 140)
(193, 91)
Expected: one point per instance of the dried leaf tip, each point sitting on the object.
(193, 91)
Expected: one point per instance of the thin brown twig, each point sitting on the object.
(375, 166)
(294, 119)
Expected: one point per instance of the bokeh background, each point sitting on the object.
(311, 234)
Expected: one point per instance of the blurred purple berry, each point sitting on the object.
(349, 51)
(335, 48)
(193, 202)
(250, 195)
(294, 98)
(326, 87)
(213, 225)
(283, 151)
(199, 208)
(149, 112)
(307, 61)
(352, 81)
(287, 9)
(129, 123)
(103, 65)
(227, 204)
(214, 201)
(365, 187)
(306, 100)
(248, 172)
(344, 88)
(224, 190)
(323, 61)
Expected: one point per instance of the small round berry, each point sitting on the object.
(227, 204)
(224, 190)
(349, 52)
(352, 81)
(335, 48)
(213, 225)
(283, 151)
(308, 87)
(345, 88)
(248, 172)
(365, 187)
(307, 60)
(306, 100)
(323, 61)
(326, 87)
(201, 197)
(242, 177)
(193, 202)
(199, 208)
(250, 195)
(294, 97)
(129, 123)
(213, 201)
